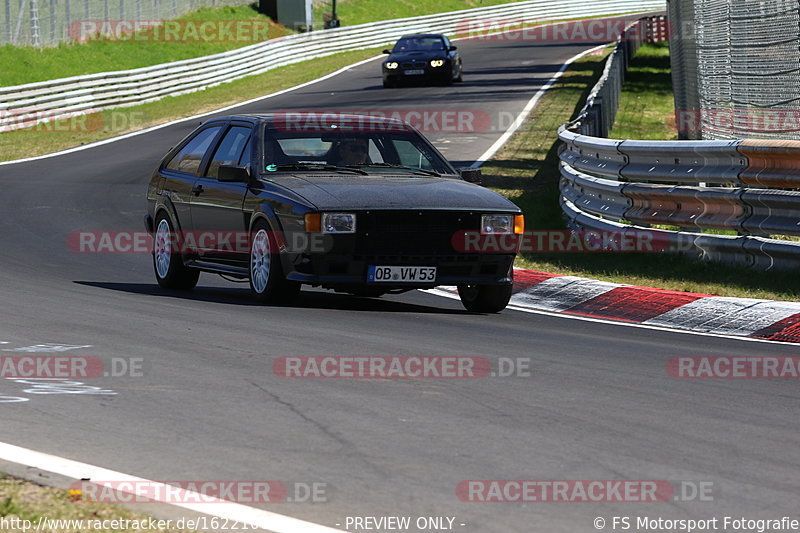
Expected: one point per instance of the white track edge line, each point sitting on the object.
(440, 292)
(258, 518)
(526, 111)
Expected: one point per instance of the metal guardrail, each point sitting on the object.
(23, 105)
(48, 22)
(630, 185)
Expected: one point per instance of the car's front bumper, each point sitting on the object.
(332, 270)
(430, 73)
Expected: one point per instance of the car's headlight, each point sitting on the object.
(391, 65)
(503, 224)
(338, 223)
(437, 62)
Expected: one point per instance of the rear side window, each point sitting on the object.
(189, 158)
(230, 149)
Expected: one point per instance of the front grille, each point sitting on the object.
(415, 64)
(396, 233)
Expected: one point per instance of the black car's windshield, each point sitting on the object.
(413, 44)
(398, 152)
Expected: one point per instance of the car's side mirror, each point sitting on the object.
(387, 51)
(453, 48)
(232, 173)
(471, 175)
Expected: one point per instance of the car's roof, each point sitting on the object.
(413, 35)
(322, 120)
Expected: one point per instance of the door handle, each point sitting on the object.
(197, 189)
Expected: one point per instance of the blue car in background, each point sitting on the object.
(423, 57)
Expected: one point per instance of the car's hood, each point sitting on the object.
(339, 192)
(417, 55)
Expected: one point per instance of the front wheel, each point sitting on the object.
(485, 298)
(170, 271)
(267, 281)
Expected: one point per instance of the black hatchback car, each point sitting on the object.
(422, 57)
(356, 204)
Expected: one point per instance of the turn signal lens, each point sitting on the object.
(313, 222)
(519, 224)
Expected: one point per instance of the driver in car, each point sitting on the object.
(349, 152)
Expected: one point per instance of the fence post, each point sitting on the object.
(52, 21)
(36, 38)
(67, 19)
(8, 21)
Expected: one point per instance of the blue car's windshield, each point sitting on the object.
(412, 44)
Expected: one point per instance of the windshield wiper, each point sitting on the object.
(414, 170)
(315, 166)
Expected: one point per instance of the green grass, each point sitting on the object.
(29, 64)
(51, 137)
(647, 107)
(352, 12)
(526, 170)
(27, 501)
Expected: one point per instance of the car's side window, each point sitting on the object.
(411, 156)
(230, 149)
(247, 155)
(189, 158)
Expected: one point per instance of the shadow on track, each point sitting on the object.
(308, 299)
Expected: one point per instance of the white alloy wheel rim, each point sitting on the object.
(260, 261)
(163, 249)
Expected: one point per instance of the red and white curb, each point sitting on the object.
(702, 313)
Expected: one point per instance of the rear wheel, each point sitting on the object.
(267, 281)
(485, 298)
(170, 271)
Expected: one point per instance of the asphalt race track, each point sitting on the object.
(598, 403)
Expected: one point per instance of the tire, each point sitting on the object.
(267, 280)
(460, 77)
(388, 84)
(485, 298)
(168, 265)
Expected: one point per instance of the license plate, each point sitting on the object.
(414, 72)
(401, 274)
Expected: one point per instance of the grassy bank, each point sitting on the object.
(647, 107)
(52, 137)
(526, 170)
(29, 64)
(150, 47)
(352, 12)
(21, 500)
